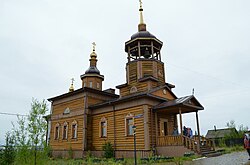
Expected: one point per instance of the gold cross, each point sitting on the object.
(140, 4)
(94, 45)
(72, 80)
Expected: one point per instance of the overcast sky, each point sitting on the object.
(44, 43)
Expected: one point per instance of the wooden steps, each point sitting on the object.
(208, 152)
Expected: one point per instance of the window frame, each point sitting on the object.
(57, 132)
(74, 131)
(101, 132)
(128, 126)
(65, 131)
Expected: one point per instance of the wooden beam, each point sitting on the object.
(198, 129)
(114, 130)
(180, 115)
(151, 126)
(85, 122)
(146, 128)
(139, 50)
(129, 55)
(156, 126)
(152, 49)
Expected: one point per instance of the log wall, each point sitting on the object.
(123, 142)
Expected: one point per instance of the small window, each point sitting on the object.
(130, 123)
(57, 131)
(84, 84)
(74, 129)
(90, 84)
(97, 85)
(103, 127)
(65, 131)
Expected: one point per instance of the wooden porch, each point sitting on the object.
(193, 143)
(165, 135)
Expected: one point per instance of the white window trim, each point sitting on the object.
(57, 132)
(67, 127)
(103, 119)
(74, 134)
(129, 116)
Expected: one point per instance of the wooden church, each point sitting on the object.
(82, 120)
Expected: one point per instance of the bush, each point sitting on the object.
(8, 154)
(108, 150)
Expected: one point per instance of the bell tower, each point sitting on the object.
(92, 77)
(144, 68)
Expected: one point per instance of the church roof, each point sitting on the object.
(127, 98)
(142, 34)
(190, 101)
(92, 69)
(81, 90)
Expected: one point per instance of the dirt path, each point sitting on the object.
(236, 158)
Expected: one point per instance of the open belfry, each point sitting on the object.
(83, 120)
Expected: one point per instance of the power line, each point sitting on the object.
(232, 93)
(12, 114)
(206, 75)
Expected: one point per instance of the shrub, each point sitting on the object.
(108, 150)
(8, 154)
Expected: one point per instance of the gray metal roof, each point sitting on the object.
(187, 100)
(219, 133)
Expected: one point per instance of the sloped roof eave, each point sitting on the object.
(126, 98)
(180, 102)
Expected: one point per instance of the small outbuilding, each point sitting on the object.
(218, 134)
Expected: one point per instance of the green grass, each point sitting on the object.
(90, 160)
(128, 161)
(227, 150)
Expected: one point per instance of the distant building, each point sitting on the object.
(83, 120)
(217, 134)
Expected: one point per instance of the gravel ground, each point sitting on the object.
(236, 158)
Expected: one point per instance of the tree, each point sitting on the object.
(21, 141)
(235, 137)
(30, 134)
(241, 128)
(8, 154)
(37, 125)
(231, 124)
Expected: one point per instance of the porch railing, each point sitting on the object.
(169, 141)
(190, 143)
(180, 140)
(205, 142)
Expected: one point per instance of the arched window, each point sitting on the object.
(129, 123)
(65, 131)
(90, 84)
(103, 127)
(57, 131)
(74, 129)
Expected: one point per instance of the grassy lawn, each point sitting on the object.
(152, 161)
(227, 150)
(101, 161)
